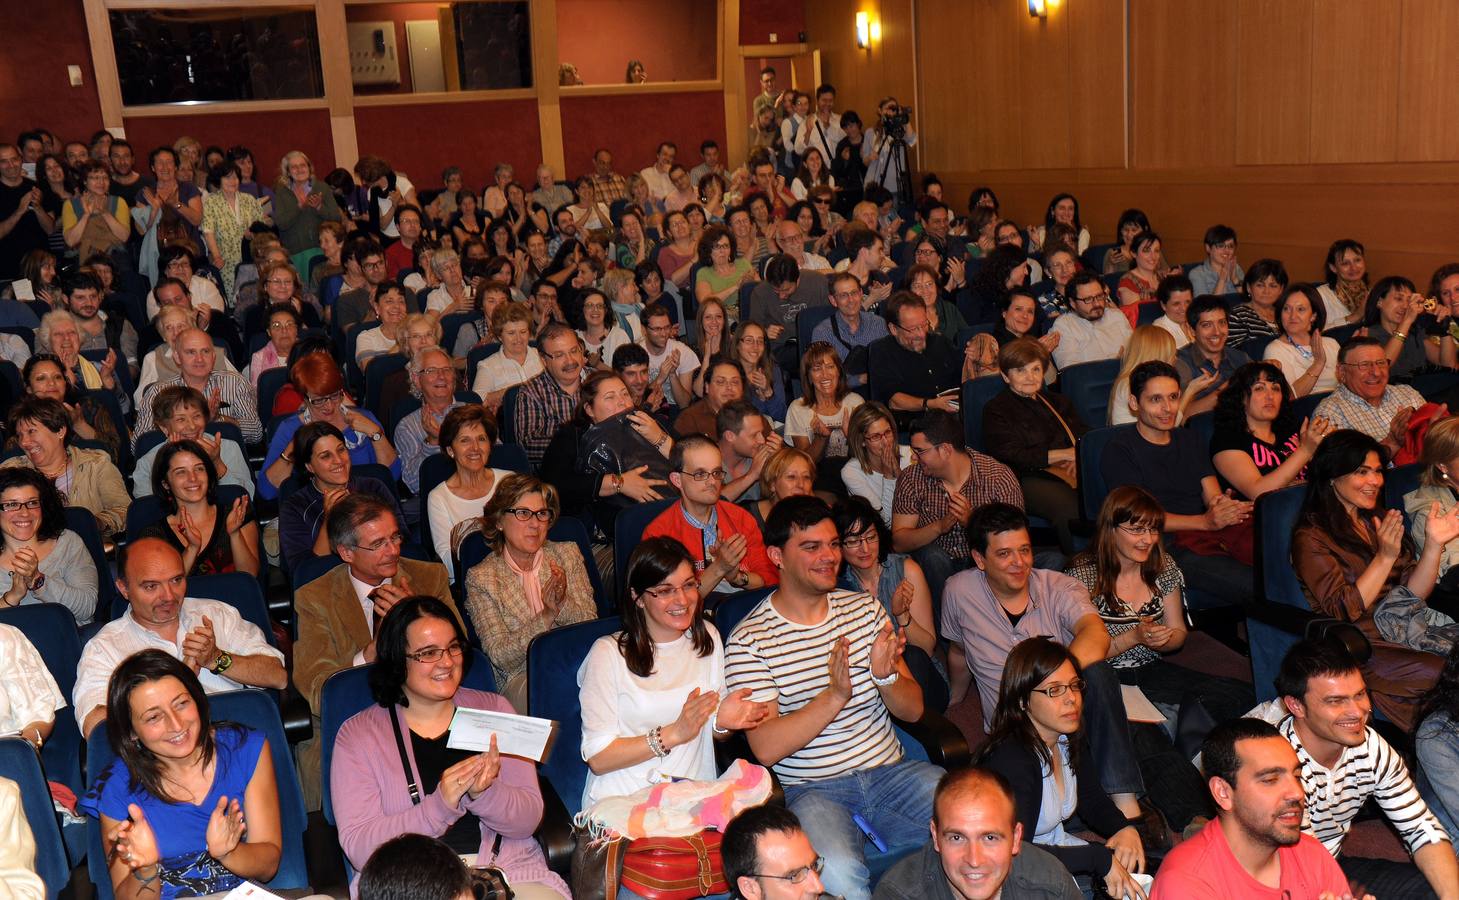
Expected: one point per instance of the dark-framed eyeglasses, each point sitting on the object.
(522, 513)
(1055, 691)
(432, 655)
(797, 876)
(705, 475)
(326, 399)
(15, 505)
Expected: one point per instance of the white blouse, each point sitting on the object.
(28, 693)
(876, 489)
(499, 371)
(617, 704)
(448, 510)
(1294, 362)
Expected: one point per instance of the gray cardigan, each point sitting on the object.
(70, 579)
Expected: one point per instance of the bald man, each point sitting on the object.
(977, 850)
(223, 649)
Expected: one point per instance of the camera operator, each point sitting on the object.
(890, 124)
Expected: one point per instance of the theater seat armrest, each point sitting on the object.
(1308, 624)
(944, 743)
(298, 724)
(555, 834)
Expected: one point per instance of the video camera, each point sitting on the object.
(895, 123)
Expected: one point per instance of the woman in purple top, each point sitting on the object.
(476, 803)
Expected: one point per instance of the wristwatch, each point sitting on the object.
(377, 436)
(222, 663)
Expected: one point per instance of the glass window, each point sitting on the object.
(257, 53)
(637, 41)
(470, 45)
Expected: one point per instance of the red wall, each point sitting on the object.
(268, 134)
(633, 126)
(673, 38)
(422, 140)
(39, 43)
(758, 18)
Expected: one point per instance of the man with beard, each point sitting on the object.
(1255, 847)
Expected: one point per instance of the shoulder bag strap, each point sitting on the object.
(1072, 440)
(404, 760)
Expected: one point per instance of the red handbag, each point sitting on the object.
(675, 868)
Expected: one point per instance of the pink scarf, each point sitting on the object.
(531, 585)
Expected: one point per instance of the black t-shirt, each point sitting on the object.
(1172, 472)
(432, 757)
(1266, 456)
(27, 235)
(130, 192)
(894, 369)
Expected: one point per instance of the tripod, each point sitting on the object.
(896, 156)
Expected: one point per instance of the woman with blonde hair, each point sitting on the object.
(876, 457)
(1439, 484)
(788, 473)
(621, 288)
(1148, 342)
(527, 584)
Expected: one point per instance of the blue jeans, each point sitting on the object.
(895, 800)
(938, 566)
(1108, 730)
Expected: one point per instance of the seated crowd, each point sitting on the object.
(823, 455)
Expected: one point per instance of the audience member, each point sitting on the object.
(1301, 351)
(724, 383)
(746, 444)
(161, 830)
(230, 397)
(1356, 564)
(1147, 343)
(818, 422)
(876, 458)
(283, 326)
(1255, 847)
(41, 560)
(850, 333)
(85, 477)
(670, 363)
(1207, 354)
(1035, 743)
(722, 539)
(936, 496)
(1436, 748)
(302, 204)
(712, 338)
(1392, 317)
(417, 435)
(467, 436)
(325, 478)
(1257, 444)
(528, 584)
(1440, 456)
(60, 334)
(211, 538)
(1033, 432)
(602, 334)
(915, 371)
(213, 641)
(25, 221)
(788, 472)
(29, 695)
(636, 729)
(478, 803)
(416, 866)
(181, 414)
(1365, 401)
(1219, 273)
(1344, 291)
(829, 736)
(1255, 322)
(764, 386)
(547, 401)
(1210, 532)
(768, 855)
(1143, 278)
(1089, 334)
(631, 363)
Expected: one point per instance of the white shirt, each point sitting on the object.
(822, 137)
(876, 489)
(814, 262)
(372, 343)
(500, 371)
(617, 704)
(1084, 341)
(688, 362)
(800, 190)
(403, 185)
(615, 338)
(659, 183)
(28, 693)
(448, 510)
(595, 219)
(798, 423)
(1175, 330)
(1336, 312)
(1294, 363)
(200, 289)
(121, 638)
(438, 299)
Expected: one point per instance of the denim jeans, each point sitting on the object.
(1216, 577)
(1437, 772)
(1109, 731)
(938, 566)
(895, 800)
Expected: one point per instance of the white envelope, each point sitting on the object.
(524, 736)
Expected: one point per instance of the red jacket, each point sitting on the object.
(731, 520)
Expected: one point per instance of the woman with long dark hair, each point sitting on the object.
(174, 802)
(653, 695)
(210, 538)
(1344, 291)
(41, 560)
(1063, 210)
(1003, 270)
(1356, 563)
(475, 802)
(1258, 444)
(1394, 316)
(1035, 744)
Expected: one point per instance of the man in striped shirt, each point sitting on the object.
(833, 663)
(1323, 710)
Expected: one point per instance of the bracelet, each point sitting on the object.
(1401, 335)
(156, 873)
(617, 484)
(659, 444)
(655, 742)
(890, 679)
(714, 724)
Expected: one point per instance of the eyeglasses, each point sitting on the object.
(433, 654)
(848, 295)
(1055, 691)
(327, 399)
(282, 326)
(569, 353)
(747, 339)
(822, 202)
(394, 540)
(918, 451)
(1366, 367)
(665, 591)
(433, 371)
(1139, 530)
(705, 475)
(856, 543)
(522, 513)
(287, 282)
(15, 505)
(373, 264)
(1101, 297)
(797, 876)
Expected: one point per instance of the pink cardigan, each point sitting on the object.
(372, 805)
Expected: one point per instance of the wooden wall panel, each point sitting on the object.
(1043, 75)
(862, 77)
(1355, 80)
(1273, 82)
(1183, 66)
(1428, 81)
(1098, 133)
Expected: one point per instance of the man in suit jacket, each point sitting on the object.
(338, 612)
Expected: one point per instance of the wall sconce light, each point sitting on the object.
(1038, 8)
(863, 30)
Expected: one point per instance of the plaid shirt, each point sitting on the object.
(613, 187)
(542, 408)
(922, 495)
(1345, 409)
(233, 389)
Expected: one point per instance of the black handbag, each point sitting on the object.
(488, 882)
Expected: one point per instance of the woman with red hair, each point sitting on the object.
(317, 376)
